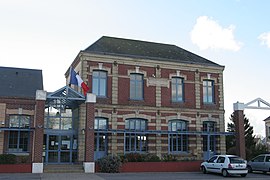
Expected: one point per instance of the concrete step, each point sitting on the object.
(63, 168)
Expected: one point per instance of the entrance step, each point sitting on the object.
(63, 168)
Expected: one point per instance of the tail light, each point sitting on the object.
(230, 166)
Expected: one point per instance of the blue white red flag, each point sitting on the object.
(77, 80)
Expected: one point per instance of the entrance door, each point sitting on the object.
(60, 149)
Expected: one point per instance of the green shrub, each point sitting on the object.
(7, 159)
(110, 164)
(151, 158)
(169, 157)
(134, 157)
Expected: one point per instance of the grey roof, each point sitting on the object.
(146, 50)
(18, 82)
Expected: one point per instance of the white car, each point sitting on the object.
(226, 165)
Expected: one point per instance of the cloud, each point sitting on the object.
(265, 39)
(208, 34)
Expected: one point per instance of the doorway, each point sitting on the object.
(60, 148)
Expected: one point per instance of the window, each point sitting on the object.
(99, 85)
(212, 159)
(259, 159)
(136, 86)
(178, 142)
(136, 140)
(221, 160)
(208, 91)
(209, 126)
(101, 138)
(58, 118)
(177, 89)
(18, 140)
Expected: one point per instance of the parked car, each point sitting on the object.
(260, 163)
(226, 165)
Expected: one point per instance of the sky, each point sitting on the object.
(48, 35)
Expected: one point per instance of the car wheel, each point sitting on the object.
(243, 175)
(204, 170)
(225, 173)
(249, 169)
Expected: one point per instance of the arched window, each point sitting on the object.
(177, 142)
(135, 138)
(209, 126)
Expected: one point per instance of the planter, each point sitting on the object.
(182, 166)
(15, 168)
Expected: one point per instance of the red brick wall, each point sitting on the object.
(39, 131)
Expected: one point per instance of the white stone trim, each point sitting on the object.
(41, 95)
(90, 98)
(37, 167)
(89, 167)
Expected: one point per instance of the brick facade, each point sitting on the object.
(156, 106)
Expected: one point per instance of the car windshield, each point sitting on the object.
(236, 160)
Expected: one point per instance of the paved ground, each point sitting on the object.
(128, 176)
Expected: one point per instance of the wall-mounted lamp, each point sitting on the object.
(3, 123)
(40, 126)
(83, 131)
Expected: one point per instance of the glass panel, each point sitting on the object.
(53, 142)
(13, 140)
(96, 123)
(95, 86)
(139, 90)
(173, 126)
(102, 142)
(65, 142)
(143, 125)
(25, 122)
(138, 125)
(14, 121)
(23, 144)
(66, 113)
(102, 87)
(52, 157)
(132, 124)
(54, 123)
(102, 124)
(66, 123)
(132, 90)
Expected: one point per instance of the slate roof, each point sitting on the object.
(146, 50)
(18, 82)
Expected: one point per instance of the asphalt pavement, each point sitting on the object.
(127, 176)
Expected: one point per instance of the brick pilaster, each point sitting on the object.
(39, 126)
(240, 133)
(89, 128)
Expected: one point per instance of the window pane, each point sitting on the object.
(136, 86)
(24, 123)
(66, 123)
(95, 86)
(102, 87)
(14, 121)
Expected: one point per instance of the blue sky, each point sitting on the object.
(49, 34)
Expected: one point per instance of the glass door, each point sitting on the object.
(60, 149)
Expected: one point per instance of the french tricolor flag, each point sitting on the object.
(77, 80)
